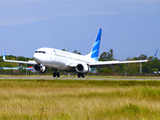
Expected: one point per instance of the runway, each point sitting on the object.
(75, 78)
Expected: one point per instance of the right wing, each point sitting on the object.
(31, 62)
(24, 62)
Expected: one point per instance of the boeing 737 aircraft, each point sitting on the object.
(60, 60)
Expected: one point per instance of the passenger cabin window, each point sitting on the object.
(40, 52)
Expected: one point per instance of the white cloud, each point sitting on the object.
(92, 13)
(131, 1)
(14, 1)
(29, 10)
(18, 21)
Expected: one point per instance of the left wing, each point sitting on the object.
(107, 63)
(101, 63)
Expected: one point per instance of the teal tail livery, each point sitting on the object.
(59, 60)
(155, 55)
(96, 46)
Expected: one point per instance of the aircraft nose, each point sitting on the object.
(36, 57)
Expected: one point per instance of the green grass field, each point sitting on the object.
(79, 99)
(75, 76)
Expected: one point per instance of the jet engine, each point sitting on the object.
(83, 68)
(40, 68)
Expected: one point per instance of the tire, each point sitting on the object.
(79, 75)
(54, 74)
(83, 75)
(58, 74)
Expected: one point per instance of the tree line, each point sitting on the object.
(132, 68)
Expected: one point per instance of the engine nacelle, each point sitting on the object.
(40, 68)
(83, 68)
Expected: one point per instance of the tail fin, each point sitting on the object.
(95, 49)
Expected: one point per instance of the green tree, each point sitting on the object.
(105, 56)
(143, 57)
(64, 50)
(75, 51)
(111, 54)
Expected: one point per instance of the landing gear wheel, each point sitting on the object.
(56, 74)
(81, 74)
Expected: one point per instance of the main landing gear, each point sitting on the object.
(81, 75)
(56, 74)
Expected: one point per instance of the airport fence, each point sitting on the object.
(29, 73)
(127, 74)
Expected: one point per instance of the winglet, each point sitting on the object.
(96, 45)
(4, 55)
(155, 55)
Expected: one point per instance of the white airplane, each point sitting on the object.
(60, 60)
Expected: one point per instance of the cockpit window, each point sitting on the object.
(40, 52)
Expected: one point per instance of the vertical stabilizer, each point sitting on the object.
(96, 46)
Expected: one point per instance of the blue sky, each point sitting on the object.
(20, 13)
(17, 12)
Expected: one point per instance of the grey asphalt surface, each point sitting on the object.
(75, 78)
